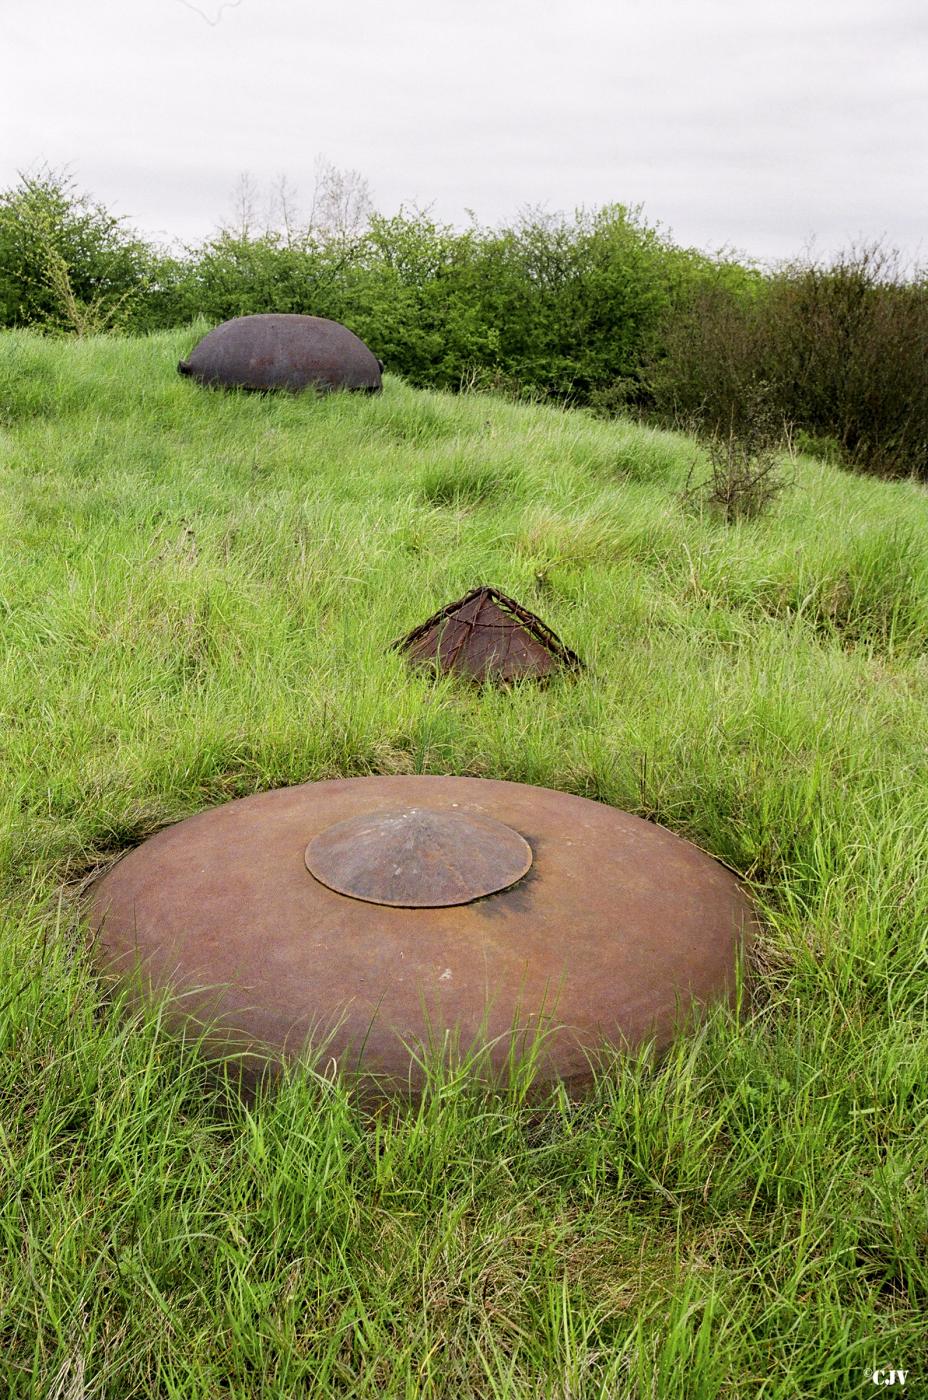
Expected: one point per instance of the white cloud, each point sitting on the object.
(757, 125)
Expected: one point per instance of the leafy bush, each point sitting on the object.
(841, 349)
(66, 264)
(745, 463)
(850, 346)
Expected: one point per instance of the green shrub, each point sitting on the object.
(841, 350)
(66, 264)
(850, 346)
(231, 275)
(745, 463)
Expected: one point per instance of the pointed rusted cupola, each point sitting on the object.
(488, 636)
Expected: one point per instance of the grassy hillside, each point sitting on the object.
(197, 593)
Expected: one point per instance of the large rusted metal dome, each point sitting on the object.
(387, 912)
(283, 352)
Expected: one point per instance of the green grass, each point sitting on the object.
(197, 596)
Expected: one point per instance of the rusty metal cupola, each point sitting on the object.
(292, 352)
(488, 636)
(384, 912)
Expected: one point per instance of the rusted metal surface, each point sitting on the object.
(614, 934)
(283, 352)
(419, 858)
(487, 635)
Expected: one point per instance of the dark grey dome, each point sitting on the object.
(283, 352)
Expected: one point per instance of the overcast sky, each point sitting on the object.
(757, 124)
